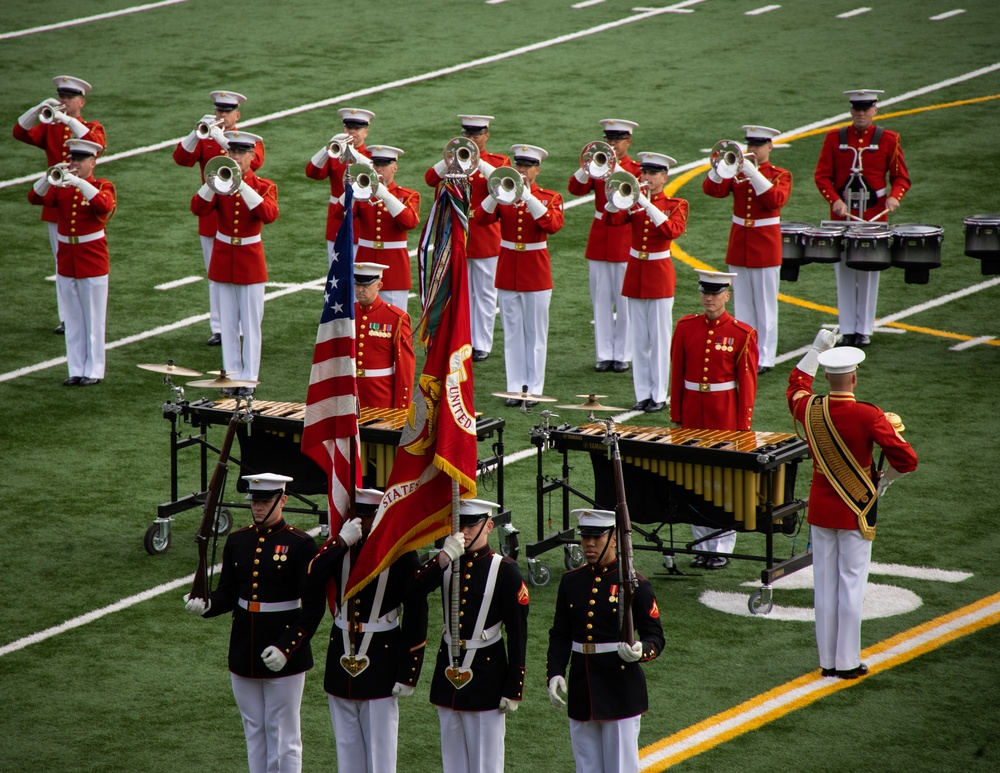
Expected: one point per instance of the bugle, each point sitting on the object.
(340, 149)
(364, 181)
(56, 175)
(505, 185)
(223, 175)
(598, 159)
(204, 128)
(622, 189)
(727, 159)
(461, 155)
(48, 113)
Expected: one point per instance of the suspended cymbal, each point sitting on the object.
(524, 396)
(592, 397)
(170, 369)
(221, 383)
(591, 405)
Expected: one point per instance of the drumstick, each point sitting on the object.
(883, 213)
(855, 217)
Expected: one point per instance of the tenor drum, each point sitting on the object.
(792, 250)
(823, 244)
(917, 249)
(982, 236)
(866, 246)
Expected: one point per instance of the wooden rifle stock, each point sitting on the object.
(626, 565)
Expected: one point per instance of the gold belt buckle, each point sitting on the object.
(589, 648)
(253, 606)
(519, 247)
(377, 245)
(703, 387)
(643, 256)
(74, 239)
(748, 222)
(237, 241)
(361, 372)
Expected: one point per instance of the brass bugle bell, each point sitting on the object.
(48, 113)
(223, 175)
(622, 189)
(364, 181)
(727, 159)
(204, 128)
(461, 154)
(56, 175)
(505, 185)
(598, 159)
(340, 149)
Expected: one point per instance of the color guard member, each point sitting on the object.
(385, 360)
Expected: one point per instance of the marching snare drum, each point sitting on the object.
(982, 236)
(866, 246)
(792, 250)
(823, 244)
(917, 246)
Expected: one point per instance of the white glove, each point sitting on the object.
(454, 546)
(250, 196)
(486, 168)
(206, 192)
(887, 478)
(394, 205)
(42, 185)
(630, 653)
(825, 339)
(402, 690)
(609, 207)
(274, 658)
(71, 179)
(343, 138)
(190, 143)
(581, 175)
(350, 532)
(761, 184)
(489, 203)
(535, 207)
(320, 157)
(658, 217)
(713, 176)
(88, 189)
(557, 685)
(30, 116)
(196, 607)
(508, 705)
(217, 134)
(440, 168)
(809, 363)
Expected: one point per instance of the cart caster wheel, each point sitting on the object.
(758, 605)
(223, 523)
(539, 575)
(154, 541)
(573, 557)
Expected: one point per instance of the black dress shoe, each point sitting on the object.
(762, 369)
(214, 340)
(530, 403)
(717, 562)
(89, 381)
(73, 381)
(854, 673)
(245, 391)
(478, 355)
(828, 672)
(60, 329)
(698, 562)
(641, 405)
(862, 340)
(619, 367)
(603, 366)
(655, 407)
(848, 339)
(512, 402)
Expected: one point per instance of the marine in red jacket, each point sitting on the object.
(484, 240)
(607, 255)
(524, 273)
(861, 172)
(759, 191)
(238, 266)
(385, 359)
(207, 141)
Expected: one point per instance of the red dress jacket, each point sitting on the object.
(861, 426)
(484, 240)
(605, 242)
(334, 170)
(717, 351)
(206, 150)
(651, 278)
(751, 245)
(519, 269)
(384, 340)
(77, 218)
(834, 166)
(51, 137)
(241, 264)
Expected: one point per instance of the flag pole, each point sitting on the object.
(456, 579)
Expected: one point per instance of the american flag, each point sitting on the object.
(331, 420)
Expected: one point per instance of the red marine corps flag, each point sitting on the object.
(437, 449)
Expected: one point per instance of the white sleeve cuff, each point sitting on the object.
(319, 160)
(486, 168)
(489, 203)
(88, 189)
(440, 168)
(535, 207)
(206, 192)
(42, 185)
(658, 217)
(250, 196)
(190, 143)
(713, 176)
(394, 205)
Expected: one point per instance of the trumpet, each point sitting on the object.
(505, 185)
(223, 175)
(339, 149)
(598, 159)
(365, 181)
(204, 128)
(727, 159)
(56, 175)
(461, 155)
(48, 113)
(622, 189)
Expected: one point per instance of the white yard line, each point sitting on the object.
(947, 14)
(88, 19)
(763, 9)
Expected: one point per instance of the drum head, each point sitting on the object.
(917, 229)
(982, 220)
(794, 227)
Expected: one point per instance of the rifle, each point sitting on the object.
(626, 565)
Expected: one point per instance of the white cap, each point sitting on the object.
(615, 125)
(266, 485)
(842, 359)
(532, 154)
(472, 511)
(69, 83)
(78, 147)
(712, 282)
(476, 122)
(368, 498)
(366, 273)
(227, 100)
(759, 133)
(384, 154)
(238, 138)
(594, 520)
(656, 159)
(864, 96)
(356, 115)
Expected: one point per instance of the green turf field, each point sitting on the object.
(144, 687)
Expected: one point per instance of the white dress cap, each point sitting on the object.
(842, 359)
(356, 115)
(656, 159)
(759, 133)
(227, 100)
(588, 518)
(69, 83)
(529, 152)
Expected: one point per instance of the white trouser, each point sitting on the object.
(650, 325)
(482, 301)
(270, 710)
(724, 543)
(213, 290)
(241, 306)
(54, 244)
(611, 339)
(84, 305)
(756, 303)
(606, 747)
(857, 294)
(525, 320)
(840, 571)
(397, 298)
(472, 741)
(366, 733)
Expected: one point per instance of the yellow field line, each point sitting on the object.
(800, 692)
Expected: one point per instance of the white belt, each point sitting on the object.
(373, 372)
(598, 216)
(385, 623)
(377, 245)
(759, 223)
(722, 386)
(81, 239)
(270, 606)
(236, 241)
(523, 246)
(881, 192)
(336, 200)
(489, 636)
(649, 255)
(591, 648)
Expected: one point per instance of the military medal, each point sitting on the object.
(458, 676)
(354, 665)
